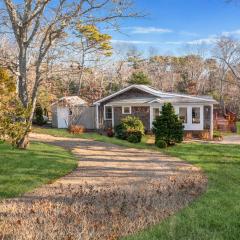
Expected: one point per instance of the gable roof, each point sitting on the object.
(70, 101)
(160, 94)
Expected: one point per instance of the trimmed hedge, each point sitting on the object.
(132, 138)
(130, 125)
(161, 144)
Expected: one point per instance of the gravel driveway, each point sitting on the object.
(103, 164)
(115, 191)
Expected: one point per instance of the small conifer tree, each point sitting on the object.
(39, 114)
(168, 127)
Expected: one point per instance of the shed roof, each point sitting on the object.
(70, 101)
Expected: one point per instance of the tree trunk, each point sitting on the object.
(23, 143)
(22, 79)
(80, 83)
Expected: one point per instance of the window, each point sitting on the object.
(108, 113)
(196, 115)
(126, 110)
(156, 112)
(183, 114)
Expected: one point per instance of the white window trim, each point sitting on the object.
(200, 116)
(130, 110)
(184, 123)
(104, 112)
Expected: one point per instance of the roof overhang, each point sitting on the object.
(158, 95)
(117, 93)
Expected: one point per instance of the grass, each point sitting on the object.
(216, 214)
(95, 136)
(238, 127)
(24, 170)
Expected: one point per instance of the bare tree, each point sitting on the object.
(227, 51)
(38, 25)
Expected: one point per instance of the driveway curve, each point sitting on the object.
(114, 191)
(103, 164)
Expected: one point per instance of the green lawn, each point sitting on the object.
(238, 127)
(64, 133)
(23, 170)
(216, 214)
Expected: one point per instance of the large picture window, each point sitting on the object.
(183, 114)
(196, 115)
(108, 113)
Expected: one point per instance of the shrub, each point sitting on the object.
(137, 134)
(13, 115)
(217, 136)
(120, 132)
(76, 129)
(39, 119)
(168, 126)
(161, 144)
(132, 138)
(132, 123)
(129, 125)
(110, 132)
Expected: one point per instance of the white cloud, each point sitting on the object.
(231, 33)
(174, 42)
(209, 40)
(146, 30)
(186, 33)
(131, 41)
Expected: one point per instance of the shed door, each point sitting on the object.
(63, 117)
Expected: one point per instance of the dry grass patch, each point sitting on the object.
(85, 212)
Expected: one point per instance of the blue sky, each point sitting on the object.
(170, 25)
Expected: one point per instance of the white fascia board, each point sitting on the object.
(190, 97)
(113, 95)
(154, 93)
(124, 90)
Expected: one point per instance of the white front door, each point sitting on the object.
(63, 117)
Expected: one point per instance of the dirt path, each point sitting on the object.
(231, 139)
(113, 192)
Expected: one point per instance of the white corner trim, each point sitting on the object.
(112, 117)
(97, 117)
(151, 117)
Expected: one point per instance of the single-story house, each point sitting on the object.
(145, 102)
(71, 110)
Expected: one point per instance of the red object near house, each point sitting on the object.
(225, 121)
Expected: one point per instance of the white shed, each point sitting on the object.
(62, 110)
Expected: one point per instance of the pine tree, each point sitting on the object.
(139, 78)
(39, 115)
(168, 126)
